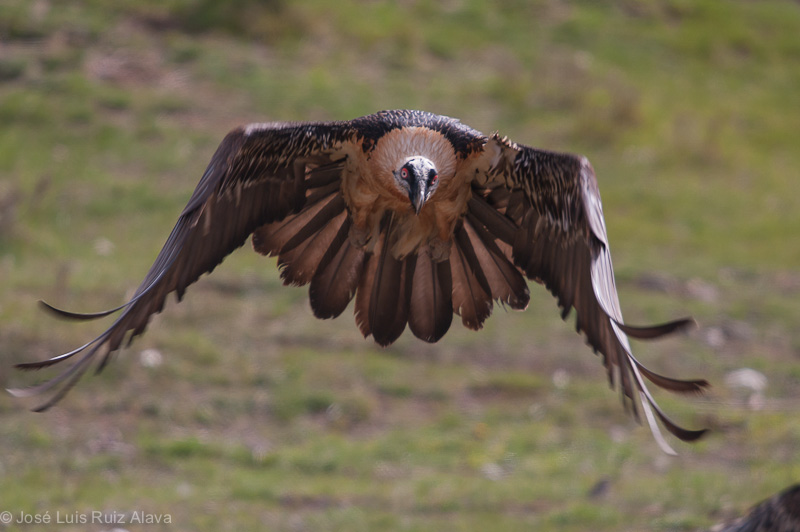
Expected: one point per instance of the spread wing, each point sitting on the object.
(779, 513)
(546, 207)
(259, 174)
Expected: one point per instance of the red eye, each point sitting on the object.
(404, 173)
(434, 178)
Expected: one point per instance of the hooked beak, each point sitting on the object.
(417, 195)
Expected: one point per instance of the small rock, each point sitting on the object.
(103, 247)
(714, 337)
(151, 358)
(492, 471)
(560, 378)
(739, 330)
(750, 380)
(702, 290)
(184, 490)
(746, 378)
(618, 434)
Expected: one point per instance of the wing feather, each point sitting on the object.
(505, 282)
(299, 263)
(335, 282)
(561, 241)
(472, 296)
(256, 176)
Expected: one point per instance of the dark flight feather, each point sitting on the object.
(472, 297)
(243, 176)
(505, 282)
(562, 243)
(388, 304)
(335, 282)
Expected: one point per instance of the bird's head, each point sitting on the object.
(418, 178)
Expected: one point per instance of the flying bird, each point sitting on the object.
(779, 513)
(415, 215)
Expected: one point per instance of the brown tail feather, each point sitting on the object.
(381, 301)
(430, 311)
(472, 298)
(335, 282)
(364, 290)
(388, 309)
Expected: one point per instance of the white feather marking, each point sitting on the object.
(249, 129)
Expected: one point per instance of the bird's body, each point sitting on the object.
(415, 216)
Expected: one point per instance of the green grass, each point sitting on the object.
(261, 417)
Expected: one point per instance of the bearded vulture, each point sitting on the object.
(416, 216)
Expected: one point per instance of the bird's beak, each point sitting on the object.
(417, 195)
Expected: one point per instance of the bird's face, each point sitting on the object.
(418, 178)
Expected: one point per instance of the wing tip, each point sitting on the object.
(701, 385)
(651, 332)
(33, 366)
(60, 384)
(23, 393)
(20, 392)
(75, 316)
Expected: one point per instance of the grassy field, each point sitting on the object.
(239, 411)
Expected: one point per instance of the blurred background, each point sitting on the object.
(237, 410)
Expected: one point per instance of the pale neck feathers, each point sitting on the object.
(399, 144)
